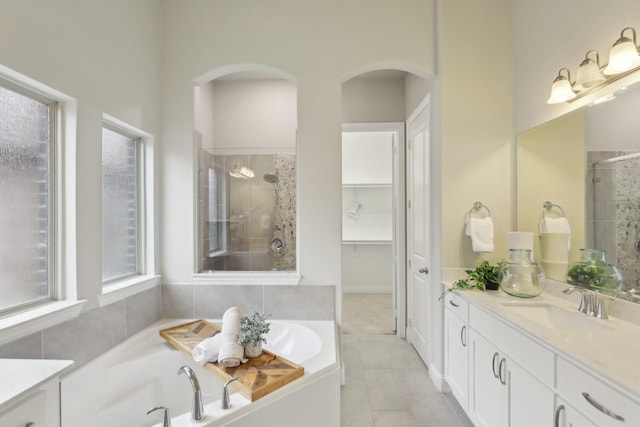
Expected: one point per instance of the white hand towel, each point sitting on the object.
(555, 225)
(207, 350)
(481, 232)
(231, 352)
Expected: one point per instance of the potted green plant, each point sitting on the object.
(484, 276)
(252, 333)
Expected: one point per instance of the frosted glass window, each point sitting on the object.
(25, 220)
(119, 205)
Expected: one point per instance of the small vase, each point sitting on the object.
(592, 272)
(521, 277)
(253, 349)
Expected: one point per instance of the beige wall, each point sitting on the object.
(477, 112)
(551, 166)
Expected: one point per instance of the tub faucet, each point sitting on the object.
(166, 421)
(226, 404)
(197, 411)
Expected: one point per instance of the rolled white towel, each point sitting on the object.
(207, 350)
(230, 354)
(231, 321)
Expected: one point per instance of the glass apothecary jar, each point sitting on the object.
(521, 276)
(592, 271)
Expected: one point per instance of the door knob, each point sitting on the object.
(424, 270)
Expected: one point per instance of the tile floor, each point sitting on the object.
(387, 385)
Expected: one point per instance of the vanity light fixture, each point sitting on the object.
(562, 89)
(589, 73)
(624, 54)
(623, 60)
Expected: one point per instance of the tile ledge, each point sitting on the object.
(126, 288)
(37, 319)
(246, 278)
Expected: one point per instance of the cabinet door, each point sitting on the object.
(566, 415)
(489, 389)
(456, 369)
(530, 402)
(30, 410)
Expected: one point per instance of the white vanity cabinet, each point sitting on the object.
(456, 341)
(502, 392)
(567, 416)
(599, 402)
(30, 392)
(41, 408)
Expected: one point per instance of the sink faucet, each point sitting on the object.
(226, 404)
(197, 411)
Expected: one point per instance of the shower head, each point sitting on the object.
(271, 178)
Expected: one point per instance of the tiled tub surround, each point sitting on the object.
(98, 330)
(288, 302)
(92, 333)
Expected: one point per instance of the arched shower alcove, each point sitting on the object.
(245, 134)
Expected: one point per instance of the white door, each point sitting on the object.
(418, 220)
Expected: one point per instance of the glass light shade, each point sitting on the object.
(588, 75)
(561, 91)
(623, 57)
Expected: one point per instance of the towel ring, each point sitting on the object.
(548, 206)
(477, 206)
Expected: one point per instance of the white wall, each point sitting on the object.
(550, 35)
(105, 54)
(320, 45)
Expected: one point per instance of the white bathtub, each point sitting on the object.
(117, 388)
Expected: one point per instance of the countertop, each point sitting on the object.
(611, 350)
(21, 376)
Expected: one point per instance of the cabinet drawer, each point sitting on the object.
(458, 305)
(574, 381)
(535, 358)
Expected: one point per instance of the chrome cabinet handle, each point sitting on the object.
(503, 362)
(453, 303)
(493, 364)
(462, 330)
(424, 270)
(556, 422)
(601, 408)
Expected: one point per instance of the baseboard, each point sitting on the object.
(437, 378)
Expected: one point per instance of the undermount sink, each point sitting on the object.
(554, 317)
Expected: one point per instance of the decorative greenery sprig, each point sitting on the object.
(253, 329)
(485, 273)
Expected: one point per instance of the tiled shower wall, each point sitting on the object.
(614, 211)
(96, 331)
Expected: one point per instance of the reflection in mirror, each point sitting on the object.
(587, 163)
(245, 129)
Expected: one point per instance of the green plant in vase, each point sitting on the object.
(484, 276)
(252, 333)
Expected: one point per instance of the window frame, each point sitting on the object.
(145, 278)
(64, 304)
(140, 204)
(54, 290)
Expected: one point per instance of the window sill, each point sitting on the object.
(247, 278)
(37, 319)
(126, 288)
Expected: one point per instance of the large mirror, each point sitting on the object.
(587, 164)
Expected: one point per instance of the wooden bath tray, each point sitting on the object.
(258, 377)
